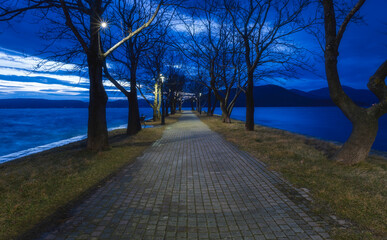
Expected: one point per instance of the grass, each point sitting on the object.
(356, 194)
(38, 189)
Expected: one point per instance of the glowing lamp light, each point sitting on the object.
(104, 24)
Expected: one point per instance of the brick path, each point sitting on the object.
(192, 184)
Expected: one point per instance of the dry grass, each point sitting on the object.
(40, 187)
(357, 194)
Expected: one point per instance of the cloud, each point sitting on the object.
(19, 77)
(13, 87)
(13, 59)
(66, 79)
(186, 23)
(17, 64)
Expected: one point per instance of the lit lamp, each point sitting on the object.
(104, 24)
(162, 100)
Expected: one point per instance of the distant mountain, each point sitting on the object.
(276, 96)
(41, 103)
(299, 92)
(44, 103)
(124, 104)
(362, 97)
(264, 96)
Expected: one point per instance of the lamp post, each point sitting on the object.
(162, 100)
(200, 105)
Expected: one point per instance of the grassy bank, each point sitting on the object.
(356, 194)
(39, 188)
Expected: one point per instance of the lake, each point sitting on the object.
(327, 123)
(27, 131)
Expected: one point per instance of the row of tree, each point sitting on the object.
(217, 46)
(237, 43)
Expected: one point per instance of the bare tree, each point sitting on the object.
(129, 56)
(83, 20)
(214, 46)
(230, 76)
(193, 88)
(154, 64)
(265, 27)
(364, 120)
(174, 85)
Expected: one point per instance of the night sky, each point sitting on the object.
(363, 49)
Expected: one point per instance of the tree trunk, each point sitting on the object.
(364, 125)
(155, 103)
(214, 106)
(225, 114)
(226, 119)
(97, 133)
(166, 107)
(209, 103)
(158, 111)
(134, 123)
(155, 113)
(359, 144)
(160, 96)
(173, 107)
(192, 105)
(250, 104)
(180, 103)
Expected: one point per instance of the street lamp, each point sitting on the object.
(162, 100)
(104, 24)
(200, 105)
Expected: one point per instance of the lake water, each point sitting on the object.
(27, 131)
(326, 123)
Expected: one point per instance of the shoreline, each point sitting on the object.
(376, 152)
(42, 148)
(49, 146)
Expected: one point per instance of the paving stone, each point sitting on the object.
(192, 184)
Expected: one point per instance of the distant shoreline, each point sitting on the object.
(39, 149)
(264, 96)
(27, 152)
(372, 152)
(37, 103)
(150, 107)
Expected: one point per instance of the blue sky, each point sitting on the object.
(363, 49)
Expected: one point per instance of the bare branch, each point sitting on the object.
(143, 96)
(377, 82)
(347, 19)
(70, 24)
(112, 80)
(133, 33)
